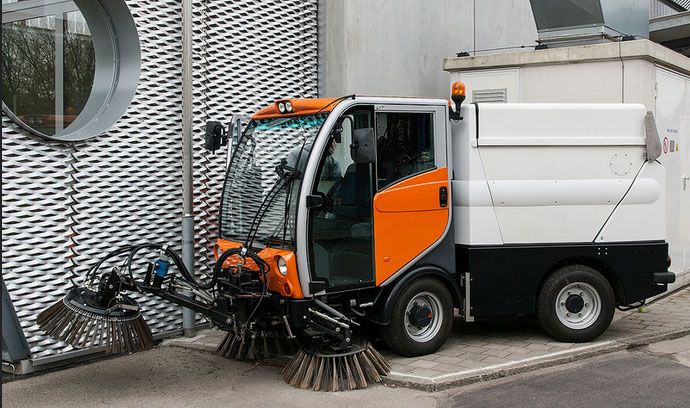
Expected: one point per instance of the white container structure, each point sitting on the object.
(637, 71)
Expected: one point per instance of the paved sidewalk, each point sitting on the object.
(483, 351)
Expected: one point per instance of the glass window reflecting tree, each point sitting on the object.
(48, 63)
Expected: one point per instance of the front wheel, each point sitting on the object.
(421, 319)
(576, 304)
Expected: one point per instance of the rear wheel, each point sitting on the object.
(576, 304)
(421, 319)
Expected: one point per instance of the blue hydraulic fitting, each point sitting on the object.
(160, 269)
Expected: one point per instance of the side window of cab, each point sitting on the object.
(405, 145)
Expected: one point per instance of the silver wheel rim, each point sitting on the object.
(590, 301)
(428, 332)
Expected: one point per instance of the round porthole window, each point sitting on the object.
(70, 68)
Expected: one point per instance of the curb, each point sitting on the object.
(519, 367)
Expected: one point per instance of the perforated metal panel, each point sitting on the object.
(249, 54)
(65, 205)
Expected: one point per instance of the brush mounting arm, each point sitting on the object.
(334, 328)
(204, 308)
(211, 310)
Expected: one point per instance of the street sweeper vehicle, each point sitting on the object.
(345, 219)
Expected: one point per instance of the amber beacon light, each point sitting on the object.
(457, 94)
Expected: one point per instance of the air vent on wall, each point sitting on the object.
(490, 95)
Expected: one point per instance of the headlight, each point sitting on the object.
(288, 107)
(281, 107)
(282, 266)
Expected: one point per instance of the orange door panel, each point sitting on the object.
(408, 218)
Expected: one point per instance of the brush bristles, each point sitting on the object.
(101, 332)
(336, 373)
(254, 346)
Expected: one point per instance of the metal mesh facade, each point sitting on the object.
(67, 204)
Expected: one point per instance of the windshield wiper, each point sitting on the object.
(263, 209)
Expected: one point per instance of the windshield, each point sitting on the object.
(253, 185)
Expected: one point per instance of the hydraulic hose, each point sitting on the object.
(187, 276)
(132, 249)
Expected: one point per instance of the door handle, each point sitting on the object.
(685, 181)
(443, 196)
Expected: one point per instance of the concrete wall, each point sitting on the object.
(396, 47)
(629, 81)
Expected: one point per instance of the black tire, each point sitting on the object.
(419, 339)
(576, 304)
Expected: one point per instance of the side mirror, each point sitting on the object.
(337, 131)
(216, 135)
(363, 147)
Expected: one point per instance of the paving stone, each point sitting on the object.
(423, 364)
(473, 349)
(496, 353)
(516, 357)
(513, 349)
(451, 352)
(401, 360)
(473, 356)
(489, 360)
(403, 368)
(425, 372)
(448, 360)
(495, 346)
(447, 368)
(469, 364)
(428, 357)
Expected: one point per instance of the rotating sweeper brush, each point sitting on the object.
(99, 315)
(326, 371)
(237, 299)
(82, 320)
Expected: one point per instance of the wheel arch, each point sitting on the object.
(383, 306)
(605, 269)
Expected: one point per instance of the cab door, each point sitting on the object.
(412, 200)
(340, 226)
(368, 221)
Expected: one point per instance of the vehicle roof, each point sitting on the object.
(311, 106)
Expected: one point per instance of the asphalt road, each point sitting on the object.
(624, 379)
(174, 377)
